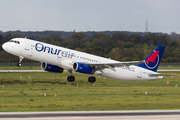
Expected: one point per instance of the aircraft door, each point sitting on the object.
(29, 50)
(27, 45)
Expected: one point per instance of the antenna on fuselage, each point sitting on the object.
(26, 37)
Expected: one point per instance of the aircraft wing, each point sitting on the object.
(101, 66)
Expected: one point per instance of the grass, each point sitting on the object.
(25, 92)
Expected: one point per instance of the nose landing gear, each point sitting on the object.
(19, 64)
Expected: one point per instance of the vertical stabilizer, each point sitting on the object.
(153, 60)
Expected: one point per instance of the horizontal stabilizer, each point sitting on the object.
(156, 75)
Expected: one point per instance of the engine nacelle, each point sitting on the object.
(83, 68)
(51, 68)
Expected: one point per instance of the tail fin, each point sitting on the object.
(153, 60)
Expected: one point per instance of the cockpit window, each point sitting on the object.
(11, 41)
(15, 41)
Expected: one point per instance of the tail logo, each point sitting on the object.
(153, 60)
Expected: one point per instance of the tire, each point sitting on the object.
(91, 79)
(71, 78)
(19, 64)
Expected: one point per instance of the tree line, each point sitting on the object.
(119, 46)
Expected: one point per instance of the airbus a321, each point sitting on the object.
(56, 59)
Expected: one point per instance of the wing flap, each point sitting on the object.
(101, 66)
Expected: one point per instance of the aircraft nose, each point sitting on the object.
(5, 46)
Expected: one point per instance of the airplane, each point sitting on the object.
(57, 59)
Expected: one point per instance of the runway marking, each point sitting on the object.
(22, 71)
(89, 114)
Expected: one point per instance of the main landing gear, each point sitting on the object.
(20, 60)
(71, 78)
(92, 79)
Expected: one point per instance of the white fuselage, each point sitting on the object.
(57, 55)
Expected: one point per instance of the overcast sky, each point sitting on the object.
(90, 15)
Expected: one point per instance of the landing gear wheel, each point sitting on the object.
(92, 79)
(19, 64)
(71, 78)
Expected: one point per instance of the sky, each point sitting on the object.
(90, 15)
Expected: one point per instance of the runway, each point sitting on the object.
(97, 115)
(22, 71)
(159, 70)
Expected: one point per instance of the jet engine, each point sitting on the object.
(51, 68)
(83, 68)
